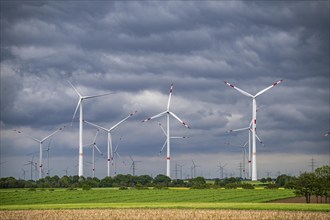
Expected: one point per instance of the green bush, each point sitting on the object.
(247, 186)
(271, 186)
(159, 186)
(123, 188)
(231, 186)
(86, 187)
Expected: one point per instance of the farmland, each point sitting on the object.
(157, 214)
(172, 203)
(110, 195)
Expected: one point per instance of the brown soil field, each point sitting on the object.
(299, 200)
(157, 214)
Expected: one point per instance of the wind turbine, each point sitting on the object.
(80, 105)
(31, 163)
(23, 173)
(66, 171)
(94, 146)
(254, 124)
(110, 154)
(133, 165)
(168, 113)
(249, 131)
(242, 165)
(117, 155)
(181, 165)
(40, 145)
(194, 168)
(161, 150)
(221, 169)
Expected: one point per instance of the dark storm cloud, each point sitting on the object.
(136, 49)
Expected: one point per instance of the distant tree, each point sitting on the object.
(178, 182)
(144, 180)
(285, 181)
(217, 182)
(124, 180)
(10, 182)
(65, 181)
(197, 183)
(162, 180)
(263, 180)
(323, 182)
(106, 182)
(306, 185)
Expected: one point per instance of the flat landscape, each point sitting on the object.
(172, 203)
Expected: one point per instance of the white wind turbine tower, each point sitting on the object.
(110, 154)
(40, 146)
(168, 113)
(94, 146)
(80, 105)
(254, 124)
(249, 141)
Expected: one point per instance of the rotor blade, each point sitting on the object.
(97, 132)
(130, 115)
(160, 125)
(182, 122)
(260, 140)
(238, 89)
(94, 96)
(245, 144)
(155, 116)
(74, 114)
(176, 137)
(169, 98)
(161, 150)
(52, 134)
(239, 129)
(102, 128)
(75, 89)
(264, 90)
(118, 144)
(116, 148)
(97, 149)
(27, 135)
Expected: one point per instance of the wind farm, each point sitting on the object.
(167, 110)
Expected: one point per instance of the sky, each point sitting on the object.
(136, 49)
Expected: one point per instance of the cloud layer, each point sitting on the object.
(137, 49)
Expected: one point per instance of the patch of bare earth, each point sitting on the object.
(301, 199)
(157, 214)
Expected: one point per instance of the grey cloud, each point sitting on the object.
(136, 49)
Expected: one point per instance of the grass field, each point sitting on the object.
(101, 195)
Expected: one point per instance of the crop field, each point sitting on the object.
(174, 203)
(101, 195)
(157, 214)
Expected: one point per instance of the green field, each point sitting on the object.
(12, 199)
(101, 195)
